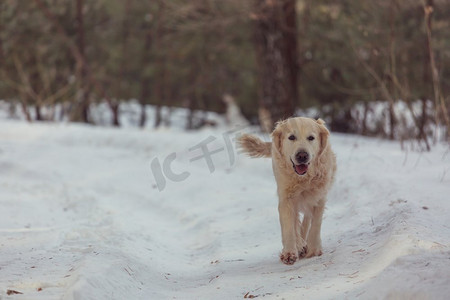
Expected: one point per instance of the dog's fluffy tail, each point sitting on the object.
(254, 146)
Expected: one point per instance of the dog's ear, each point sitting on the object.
(324, 134)
(277, 136)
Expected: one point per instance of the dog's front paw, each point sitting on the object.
(310, 252)
(288, 258)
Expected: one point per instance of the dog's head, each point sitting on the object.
(300, 141)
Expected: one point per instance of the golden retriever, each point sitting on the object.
(304, 166)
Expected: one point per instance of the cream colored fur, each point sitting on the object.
(304, 194)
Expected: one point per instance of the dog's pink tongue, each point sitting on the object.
(302, 168)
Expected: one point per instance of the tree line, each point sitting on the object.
(272, 56)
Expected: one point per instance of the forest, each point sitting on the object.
(358, 63)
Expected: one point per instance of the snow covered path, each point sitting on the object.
(82, 217)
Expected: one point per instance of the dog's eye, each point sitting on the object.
(311, 138)
(292, 137)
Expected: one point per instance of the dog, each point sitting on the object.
(304, 167)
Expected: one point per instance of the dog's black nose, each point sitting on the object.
(302, 157)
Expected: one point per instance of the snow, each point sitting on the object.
(83, 217)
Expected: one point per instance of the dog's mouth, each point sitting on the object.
(300, 169)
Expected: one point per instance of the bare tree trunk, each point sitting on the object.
(145, 82)
(291, 48)
(82, 112)
(2, 54)
(25, 111)
(161, 65)
(37, 110)
(123, 66)
(143, 115)
(115, 113)
(440, 106)
(393, 71)
(275, 39)
(158, 116)
(191, 105)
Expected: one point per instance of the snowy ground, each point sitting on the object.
(82, 217)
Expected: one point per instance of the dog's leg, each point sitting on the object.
(305, 226)
(288, 235)
(303, 229)
(313, 241)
